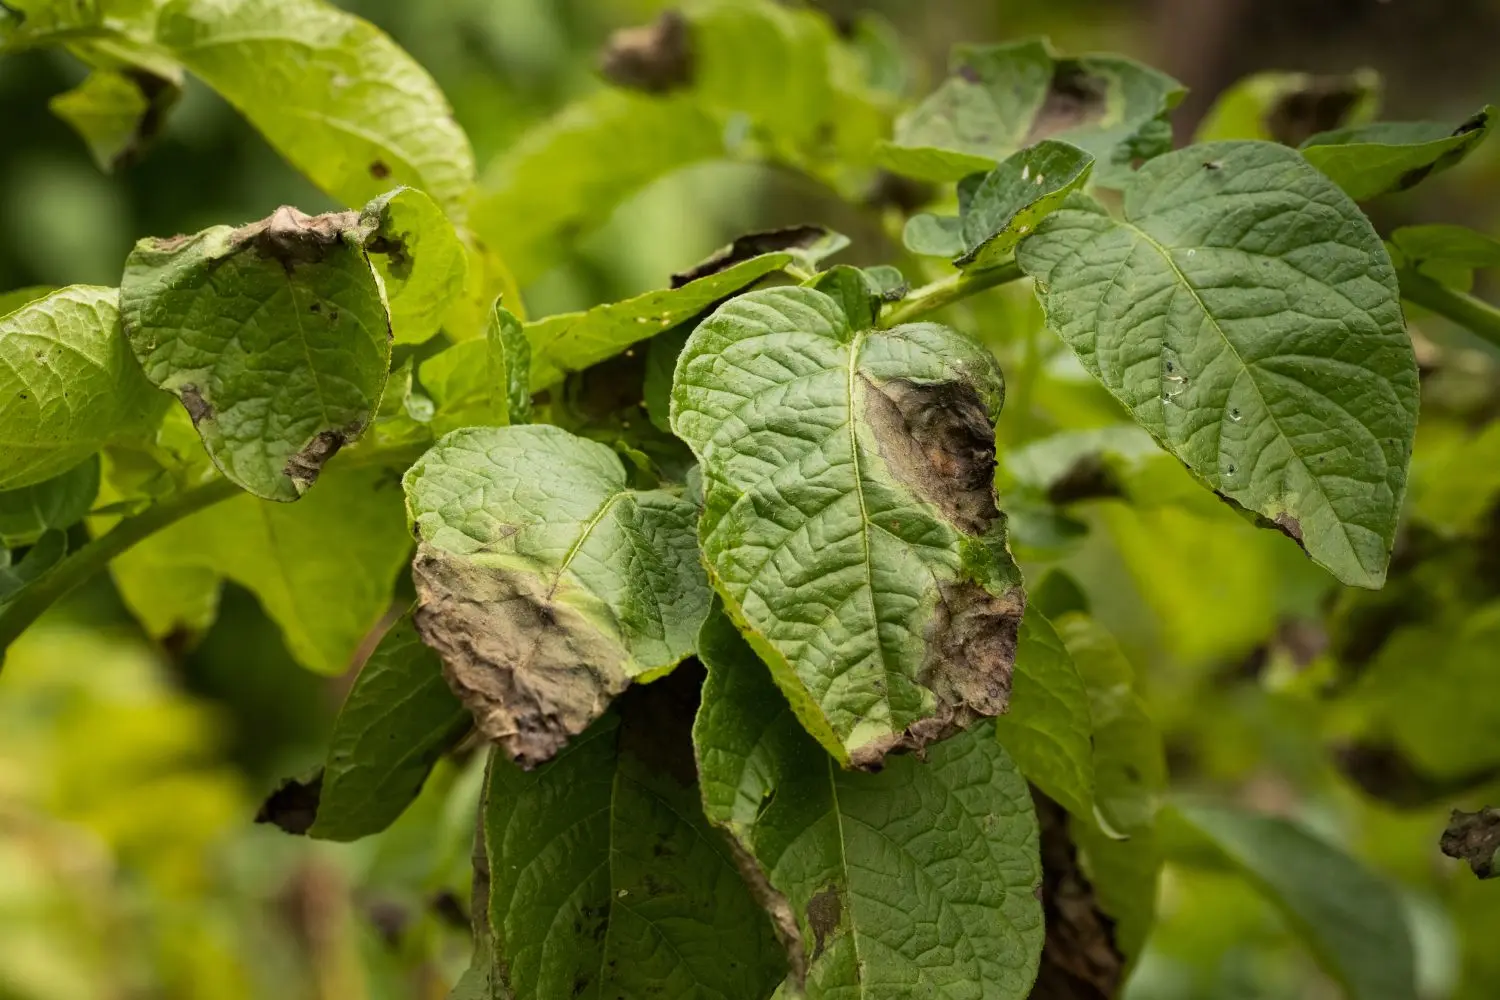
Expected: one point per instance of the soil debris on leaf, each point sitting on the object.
(1474, 837)
(293, 807)
(655, 58)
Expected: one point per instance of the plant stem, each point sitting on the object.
(1475, 315)
(945, 292)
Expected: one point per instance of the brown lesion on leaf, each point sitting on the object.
(1412, 178)
(379, 170)
(533, 671)
(293, 237)
(1088, 478)
(750, 246)
(938, 441)
(170, 244)
(1080, 959)
(825, 911)
(294, 805)
(198, 408)
(656, 58)
(1075, 98)
(306, 465)
(1319, 106)
(1474, 837)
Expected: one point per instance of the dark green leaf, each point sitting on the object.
(60, 502)
(38, 561)
(1371, 160)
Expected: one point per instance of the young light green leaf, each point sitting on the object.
(68, 384)
(420, 258)
(1354, 922)
(117, 113)
(60, 502)
(274, 336)
(1131, 776)
(1002, 206)
(546, 584)
(330, 91)
(1371, 160)
(1274, 362)
(1048, 729)
(1002, 98)
(396, 724)
(1290, 108)
(934, 235)
(850, 518)
(606, 880)
(919, 880)
(323, 569)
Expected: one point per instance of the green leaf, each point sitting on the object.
(508, 365)
(850, 518)
(38, 561)
(1371, 160)
(323, 569)
(330, 91)
(422, 262)
(1001, 207)
(398, 721)
(274, 336)
(1048, 730)
(571, 342)
(1273, 361)
(1456, 482)
(662, 353)
(482, 382)
(68, 385)
(546, 584)
(999, 99)
(61, 502)
(1448, 254)
(1131, 776)
(606, 880)
(920, 880)
(13, 300)
(117, 113)
(1291, 107)
(1354, 922)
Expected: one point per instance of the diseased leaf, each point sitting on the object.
(606, 880)
(117, 113)
(1290, 108)
(1048, 729)
(60, 502)
(1002, 206)
(330, 91)
(68, 385)
(1080, 960)
(274, 336)
(999, 99)
(850, 518)
(323, 569)
(546, 584)
(1474, 837)
(397, 722)
(1353, 921)
(1273, 361)
(807, 245)
(420, 259)
(917, 881)
(1370, 160)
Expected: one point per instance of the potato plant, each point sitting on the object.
(722, 574)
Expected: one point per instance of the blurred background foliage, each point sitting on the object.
(130, 770)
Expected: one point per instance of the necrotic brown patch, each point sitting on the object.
(1075, 98)
(1080, 960)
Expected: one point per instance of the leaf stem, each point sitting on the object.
(946, 291)
(1474, 314)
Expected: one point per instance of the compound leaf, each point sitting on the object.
(921, 880)
(546, 584)
(1371, 160)
(68, 384)
(850, 518)
(420, 258)
(1273, 361)
(274, 336)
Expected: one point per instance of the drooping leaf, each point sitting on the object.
(1371, 160)
(917, 881)
(1274, 362)
(1002, 206)
(324, 569)
(571, 342)
(850, 518)
(117, 113)
(420, 258)
(1048, 729)
(1290, 108)
(59, 502)
(1354, 922)
(68, 384)
(397, 722)
(330, 91)
(1131, 777)
(274, 336)
(606, 880)
(1474, 837)
(999, 99)
(546, 584)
